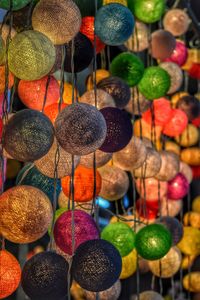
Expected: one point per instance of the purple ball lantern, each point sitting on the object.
(179, 55)
(178, 187)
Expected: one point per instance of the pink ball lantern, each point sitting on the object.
(179, 55)
(150, 188)
(178, 187)
(177, 124)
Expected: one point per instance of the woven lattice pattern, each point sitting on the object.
(174, 227)
(103, 99)
(178, 187)
(176, 21)
(163, 44)
(170, 165)
(190, 105)
(137, 104)
(176, 76)
(112, 293)
(139, 40)
(101, 159)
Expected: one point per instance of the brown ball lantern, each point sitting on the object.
(163, 44)
(101, 159)
(176, 21)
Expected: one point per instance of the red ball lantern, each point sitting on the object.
(151, 188)
(179, 55)
(196, 122)
(194, 71)
(53, 110)
(177, 124)
(147, 210)
(196, 171)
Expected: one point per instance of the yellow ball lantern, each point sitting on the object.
(196, 204)
(187, 261)
(189, 136)
(123, 2)
(192, 219)
(191, 156)
(191, 282)
(190, 243)
(68, 93)
(100, 74)
(129, 265)
(173, 147)
(193, 57)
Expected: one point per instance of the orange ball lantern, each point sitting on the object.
(2, 79)
(83, 184)
(10, 274)
(68, 93)
(52, 111)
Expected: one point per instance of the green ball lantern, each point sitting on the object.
(121, 236)
(155, 83)
(153, 241)
(16, 4)
(128, 67)
(87, 7)
(147, 11)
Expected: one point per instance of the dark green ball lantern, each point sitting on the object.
(128, 67)
(155, 83)
(87, 7)
(153, 242)
(121, 236)
(16, 4)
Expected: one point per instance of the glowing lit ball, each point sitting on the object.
(102, 98)
(96, 265)
(143, 129)
(162, 44)
(146, 211)
(115, 183)
(147, 11)
(52, 111)
(151, 165)
(23, 220)
(10, 274)
(186, 170)
(87, 7)
(170, 165)
(84, 226)
(196, 204)
(167, 266)
(155, 83)
(173, 147)
(119, 129)
(153, 241)
(28, 135)
(179, 55)
(109, 15)
(191, 156)
(60, 25)
(68, 93)
(80, 129)
(32, 93)
(174, 227)
(127, 66)
(178, 187)
(112, 293)
(138, 104)
(139, 40)
(191, 282)
(121, 236)
(31, 55)
(129, 265)
(151, 189)
(117, 89)
(176, 75)
(190, 242)
(101, 159)
(190, 105)
(176, 21)
(189, 136)
(2, 79)
(132, 156)
(40, 271)
(192, 219)
(16, 4)
(170, 208)
(176, 124)
(100, 74)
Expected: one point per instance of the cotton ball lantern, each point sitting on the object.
(31, 55)
(119, 129)
(172, 147)
(32, 93)
(121, 236)
(10, 274)
(96, 265)
(176, 75)
(117, 15)
(103, 99)
(100, 74)
(3, 81)
(64, 201)
(52, 111)
(40, 271)
(29, 175)
(174, 227)
(127, 66)
(151, 165)
(155, 83)
(186, 170)
(129, 265)
(176, 21)
(146, 211)
(127, 219)
(170, 165)
(153, 241)
(16, 5)
(85, 229)
(117, 89)
(190, 105)
(28, 135)
(80, 129)
(190, 242)
(170, 208)
(147, 11)
(115, 183)
(101, 159)
(167, 266)
(178, 187)
(151, 188)
(112, 293)
(179, 55)
(138, 104)
(191, 282)
(144, 130)
(176, 97)
(189, 137)
(176, 124)
(23, 220)
(139, 40)
(191, 156)
(192, 219)
(162, 44)
(132, 156)
(87, 7)
(69, 92)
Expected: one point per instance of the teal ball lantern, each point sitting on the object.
(128, 67)
(155, 83)
(147, 11)
(16, 4)
(121, 236)
(153, 242)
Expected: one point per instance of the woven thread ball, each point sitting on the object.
(83, 184)
(176, 76)
(31, 176)
(129, 265)
(137, 104)
(52, 111)
(59, 20)
(80, 129)
(139, 40)
(162, 44)
(101, 159)
(121, 236)
(132, 156)
(45, 276)
(28, 135)
(189, 244)
(174, 227)
(115, 183)
(85, 229)
(192, 219)
(31, 55)
(189, 136)
(119, 129)
(153, 242)
(96, 265)
(87, 7)
(170, 165)
(178, 187)
(173, 147)
(16, 4)
(2, 80)
(190, 105)
(149, 295)
(155, 83)
(64, 201)
(179, 55)
(186, 170)
(170, 208)
(32, 93)
(147, 11)
(191, 156)
(150, 188)
(10, 274)
(69, 92)
(176, 124)
(103, 99)
(128, 67)
(58, 213)
(191, 283)
(82, 53)
(114, 24)
(146, 210)
(112, 293)
(117, 89)
(23, 220)
(100, 74)
(176, 21)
